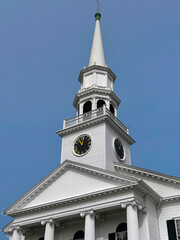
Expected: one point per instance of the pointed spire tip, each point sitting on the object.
(97, 56)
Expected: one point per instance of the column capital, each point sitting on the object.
(84, 213)
(17, 232)
(16, 227)
(9, 230)
(134, 203)
(43, 222)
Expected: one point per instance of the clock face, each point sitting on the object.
(82, 145)
(119, 149)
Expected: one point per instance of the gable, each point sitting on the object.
(164, 185)
(72, 183)
(164, 189)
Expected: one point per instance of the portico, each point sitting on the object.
(95, 224)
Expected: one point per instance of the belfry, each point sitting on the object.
(95, 193)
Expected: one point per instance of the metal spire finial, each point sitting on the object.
(97, 4)
(98, 15)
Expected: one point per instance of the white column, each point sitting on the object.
(16, 234)
(104, 109)
(115, 112)
(49, 229)
(132, 222)
(94, 104)
(80, 108)
(108, 104)
(89, 225)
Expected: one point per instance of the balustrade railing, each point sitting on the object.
(92, 115)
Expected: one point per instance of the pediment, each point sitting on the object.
(69, 180)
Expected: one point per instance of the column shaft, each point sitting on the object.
(16, 234)
(132, 223)
(80, 108)
(49, 231)
(90, 227)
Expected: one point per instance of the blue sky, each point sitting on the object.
(45, 44)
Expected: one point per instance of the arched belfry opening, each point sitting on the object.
(100, 103)
(87, 107)
(79, 235)
(111, 109)
(121, 231)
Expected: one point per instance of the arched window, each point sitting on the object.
(79, 235)
(112, 109)
(87, 107)
(121, 231)
(121, 227)
(100, 103)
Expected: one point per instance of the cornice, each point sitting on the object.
(95, 90)
(147, 173)
(96, 121)
(59, 218)
(96, 67)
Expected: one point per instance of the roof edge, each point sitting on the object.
(146, 172)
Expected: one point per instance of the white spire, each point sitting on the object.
(97, 56)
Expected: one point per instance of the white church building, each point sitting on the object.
(95, 193)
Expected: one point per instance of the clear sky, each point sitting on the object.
(43, 46)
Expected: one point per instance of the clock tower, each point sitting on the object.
(95, 136)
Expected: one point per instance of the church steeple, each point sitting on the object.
(95, 136)
(97, 56)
